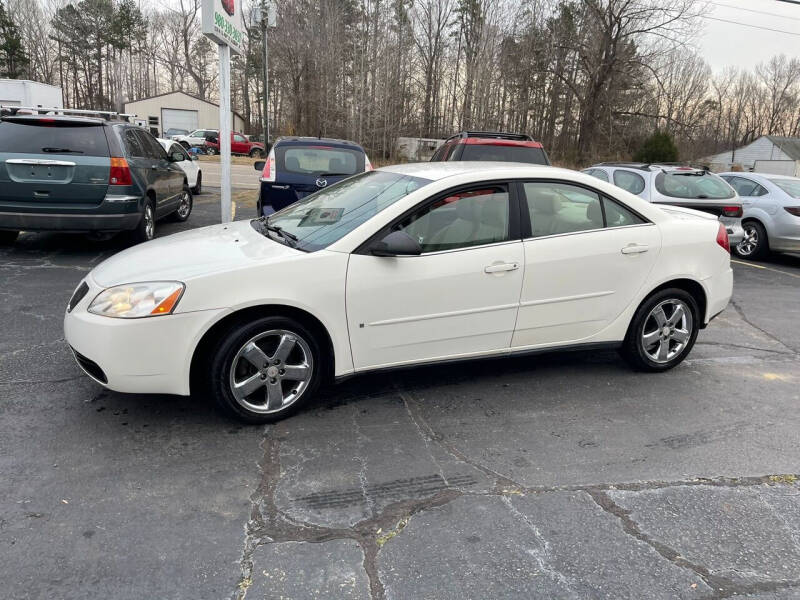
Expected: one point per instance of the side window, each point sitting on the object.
(558, 208)
(238, 138)
(464, 219)
(599, 174)
(132, 145)
(745, 187)
(439, 154)
(629, 181)
(151, 147)
(619, 216)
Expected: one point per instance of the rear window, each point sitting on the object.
(790, 186)
(693, 184)
(494, 152)
(31, 138)
(319, 160)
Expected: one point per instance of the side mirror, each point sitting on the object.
(396, 243)
(259, 165)
(176, 157)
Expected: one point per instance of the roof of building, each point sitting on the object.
(789, 145)
(180, 92)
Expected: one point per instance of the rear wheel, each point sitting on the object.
(755, 244)
(146, 229)
(8, 237)
(662, 331)
(263, 371)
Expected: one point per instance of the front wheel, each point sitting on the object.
(256, 153)
(662, 331)
(755, 244)
(211, 151)
(184, 206)
(263, 371)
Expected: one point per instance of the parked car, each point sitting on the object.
(299, 166)
(84, 174)
(771, 213)
(172, 132)
(405, 265)
(187, 162)
(677, 185)
(239, 145)
(196, 138)
(492, 145)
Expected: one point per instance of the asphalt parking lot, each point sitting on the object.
(556, 476)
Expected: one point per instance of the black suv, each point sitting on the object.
(86, 174)
(492, 145)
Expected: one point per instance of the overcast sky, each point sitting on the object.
(724, 44)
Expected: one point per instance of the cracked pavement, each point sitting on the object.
(555, 476)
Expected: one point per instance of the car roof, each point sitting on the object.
(439, 170)
(759, 175)
(59, 118)
(303, 140)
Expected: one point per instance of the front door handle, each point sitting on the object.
(635, 248)
(498, 268)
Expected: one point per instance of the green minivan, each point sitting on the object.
(86, 174)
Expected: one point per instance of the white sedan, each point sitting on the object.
(404, 265)
(188, 164)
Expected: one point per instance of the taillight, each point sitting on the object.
(732, 211)
(367, 164)
(120, 173)
(722, 238)
(792, 210)
(268, 174)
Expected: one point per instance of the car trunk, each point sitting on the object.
(50, 163)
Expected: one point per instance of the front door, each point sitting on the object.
(459, 297)
(586, 258)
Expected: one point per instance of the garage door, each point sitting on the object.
(175, 118)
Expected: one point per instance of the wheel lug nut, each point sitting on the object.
(277, 362)
(282, 371)
(272, 380)
(263, 376)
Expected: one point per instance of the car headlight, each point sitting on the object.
(135, 300)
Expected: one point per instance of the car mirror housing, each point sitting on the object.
(259, 165)
(396, 243)
(176, 157)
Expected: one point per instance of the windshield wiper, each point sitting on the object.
(291, 239)
(61, 150)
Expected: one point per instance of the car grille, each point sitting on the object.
(77, 296)
(92, 369)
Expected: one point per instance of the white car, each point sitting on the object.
(771, 213)
(196, 138)
(677, 185)
(187, 163)
(404, 265)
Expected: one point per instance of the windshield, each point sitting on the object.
(693, 185)
(331, 213)
(790, 186)
(497, 152)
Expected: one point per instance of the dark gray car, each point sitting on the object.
(82, 174)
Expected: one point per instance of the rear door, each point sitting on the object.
(47, 163)
(302, 169)
(156, 170)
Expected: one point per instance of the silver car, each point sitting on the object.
(678, 185)
(771, 213)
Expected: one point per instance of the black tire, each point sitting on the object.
(252, 408)
(146, 229)
(644, 326)
(211, 151)
(182, 213)
(198, 187)
(755, 246)
(8, 237)
(257, 153)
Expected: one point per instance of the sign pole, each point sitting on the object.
(266, 84)
(225, 130)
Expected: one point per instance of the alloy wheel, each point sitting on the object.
(667, 330)
(185, 206)
(149, 222)
(750, 242)
(271, 371)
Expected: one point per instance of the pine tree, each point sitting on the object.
(13, 57)
(659, 147)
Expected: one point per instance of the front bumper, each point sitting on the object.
(115, 213)
(146, 355)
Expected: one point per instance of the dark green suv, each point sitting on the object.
(82, 174)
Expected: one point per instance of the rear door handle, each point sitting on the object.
(635, 248)
(498, 268)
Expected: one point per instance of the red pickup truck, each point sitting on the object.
(239, 145)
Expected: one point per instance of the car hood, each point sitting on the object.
(192, 254)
